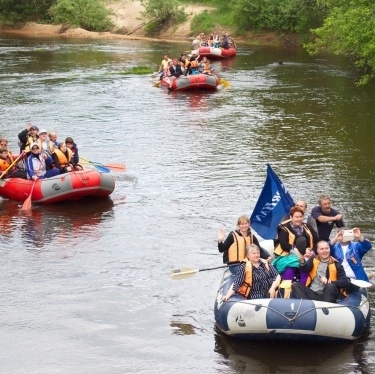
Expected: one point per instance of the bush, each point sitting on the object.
(88, 14)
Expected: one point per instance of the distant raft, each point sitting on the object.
(192, 82)
(215, 53)
(291, 319)
(69, 186)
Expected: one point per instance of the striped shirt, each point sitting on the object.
(262, 280)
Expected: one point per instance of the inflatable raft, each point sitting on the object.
(69, 186)
(215, 53)
(192, 82)
(291, 319)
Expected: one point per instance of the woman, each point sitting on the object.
(289, 236)
(234, 246)
(255, 279)
(62, 158)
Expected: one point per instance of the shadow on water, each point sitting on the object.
(292, 357)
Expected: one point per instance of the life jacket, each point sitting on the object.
(30, 141)
(4, 164)
(292, 237)
(50, 146)
(246, 285)
(206, 68)
(62, 158)
(237, 251)
(331, 270)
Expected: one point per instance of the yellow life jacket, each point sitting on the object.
(331, 270)
(280, 252)
(194, 64)
(237, 251)
(30, 141)
(63, 160)
(245, 287)
(206, 67)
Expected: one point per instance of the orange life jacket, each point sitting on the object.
(246, 285)
(63, 160)
(280, 252)
(331, 270)
(237, 251)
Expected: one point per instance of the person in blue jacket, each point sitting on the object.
(350, 253)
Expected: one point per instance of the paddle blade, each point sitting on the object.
(360, 283)
(116, 167)
(183, 273)
(224, 82)
(27, 204)
(157, 84)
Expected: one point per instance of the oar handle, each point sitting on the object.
(217, 267)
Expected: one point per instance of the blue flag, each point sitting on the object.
(273, 204)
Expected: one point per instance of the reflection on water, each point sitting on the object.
(278, 357)
(180, 328)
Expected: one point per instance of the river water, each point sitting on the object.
(85, 288)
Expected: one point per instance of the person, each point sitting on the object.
(62, 158)
(234, 246)
(27, 137)
(182, 59)
(256, 278)
(53, 138)
(74, 149)
(39, 165)
(288, 233)
(164, 63)
(306, 217)
(325, 217)
(225, 42)
(326, 276)
(192, 66)
(205, 66)
(6, 160)
(216, 40)
(176, 69)
(45, 144)
(350, 253)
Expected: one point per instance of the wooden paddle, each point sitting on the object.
(11, 165)
(157, 84)
(224, 82)
(27, 205)
(189, 272)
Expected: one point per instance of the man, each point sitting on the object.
(350, 254)
(176, 69)
(27, 137)
(45, 144)
(325, 217)
(53, 138)
(326, 276)
(164, 63)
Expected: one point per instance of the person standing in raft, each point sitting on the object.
(289, 236)
(39, 165)
(234, 246)
(256, 278)
(326, 276)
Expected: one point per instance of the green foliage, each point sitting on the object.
(88, 14)
(14, 12)
(349, 30)
(208, 21)
(163, 14)
(139, 70)
(286, 16)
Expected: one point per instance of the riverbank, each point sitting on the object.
(130, 24)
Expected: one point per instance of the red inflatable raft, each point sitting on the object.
(193, 82)
(70, 186)
(215, 53)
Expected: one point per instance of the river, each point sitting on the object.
(85, 288)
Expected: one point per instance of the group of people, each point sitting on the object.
(184, 65)
(212, 40)
(41, 155)
(306, 263)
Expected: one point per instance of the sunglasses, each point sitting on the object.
(34, 148)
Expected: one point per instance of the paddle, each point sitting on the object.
(11, 165)
(224, 82)
(189, 272)
(115, 166)
(360, 283)
(157, 84)
(97, 165)
(26, 206)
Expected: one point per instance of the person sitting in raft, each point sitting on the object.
(75, 156)
(289, 233)
(192, 66)
(326, 276)
(39, 165)
(349, 254)
(62, 158)
(225, 42)
(234, 246)
(6, 160)
(45, 144)
(216, 40)
(205, 66)
(256, 278)
(27, 137)
(176, 69)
